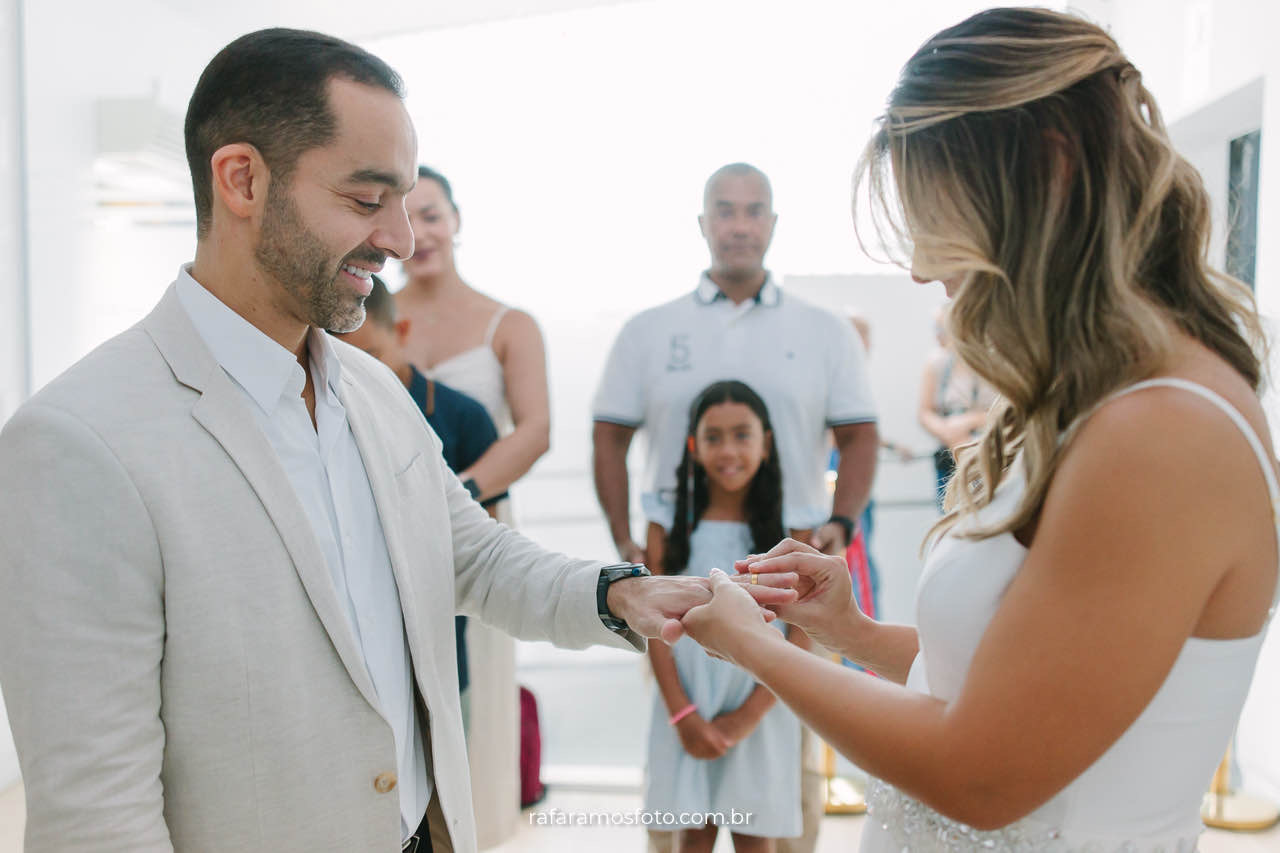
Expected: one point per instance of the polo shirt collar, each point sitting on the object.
(709, 292)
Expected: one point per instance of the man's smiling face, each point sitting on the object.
(342, 212)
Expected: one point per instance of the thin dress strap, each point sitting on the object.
(493, 325)
(1268, 467)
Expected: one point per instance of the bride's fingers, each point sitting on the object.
(771, 580)
(671, 631)
(782, 549)
(786, 546)
(810, 564)
(770, 590)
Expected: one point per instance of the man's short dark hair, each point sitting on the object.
(270, 89)
(380, 305)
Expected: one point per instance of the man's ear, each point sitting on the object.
(240, 179)
(702, 226)
(402, 330)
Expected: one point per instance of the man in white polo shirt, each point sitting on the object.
(807, 364)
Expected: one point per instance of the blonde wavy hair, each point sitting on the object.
(1021, 154)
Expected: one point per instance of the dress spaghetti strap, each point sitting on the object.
(493, 325)
(1268, 467)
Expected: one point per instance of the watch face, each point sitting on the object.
(625, 570)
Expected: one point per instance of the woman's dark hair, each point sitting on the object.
(764, 495)
(432, 175)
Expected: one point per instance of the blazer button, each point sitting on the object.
(384, 783)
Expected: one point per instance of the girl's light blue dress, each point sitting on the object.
(760, 775)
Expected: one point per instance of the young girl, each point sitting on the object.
(718, 741)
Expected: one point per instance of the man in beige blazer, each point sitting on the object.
(187, 665)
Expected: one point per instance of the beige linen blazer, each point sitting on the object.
(178, 672)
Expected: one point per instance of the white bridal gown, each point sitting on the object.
(1143, 795)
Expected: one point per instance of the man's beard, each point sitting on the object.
(294, 256)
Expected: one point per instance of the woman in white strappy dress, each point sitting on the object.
(1092, 606)
(479, 346)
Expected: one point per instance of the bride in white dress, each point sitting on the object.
(1092, 605)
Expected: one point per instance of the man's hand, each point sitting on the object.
(733, 620)
(700, 738)
(646, 604)
(830, 539)
(630, 552)
(654, 606)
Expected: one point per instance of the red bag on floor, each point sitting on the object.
(860, 569)
(531, 788)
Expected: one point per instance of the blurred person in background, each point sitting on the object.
(953, 403)
(719, 741)
(463, 426)
(807, 364)
(493, 354)
(472, 342)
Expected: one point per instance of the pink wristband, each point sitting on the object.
(682, 713)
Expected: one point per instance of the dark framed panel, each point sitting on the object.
(1242, 206)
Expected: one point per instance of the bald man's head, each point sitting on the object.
(736, 170)
(737, 221)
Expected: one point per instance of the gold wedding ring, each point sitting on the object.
(753, 578)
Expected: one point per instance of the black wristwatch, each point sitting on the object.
(472, 489)
(608, 575)
(849, 525)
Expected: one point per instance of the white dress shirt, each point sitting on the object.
(328, 475)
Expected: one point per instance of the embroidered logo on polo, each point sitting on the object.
(679, 354)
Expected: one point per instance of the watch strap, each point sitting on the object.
(608, 575)
(472, 488)
(850, 526)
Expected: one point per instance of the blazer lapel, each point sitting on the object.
(222, 411)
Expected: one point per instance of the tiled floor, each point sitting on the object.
(839, 834)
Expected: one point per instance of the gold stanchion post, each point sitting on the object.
(841, 795)
(1224, 809)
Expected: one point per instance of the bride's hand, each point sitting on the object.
(730, 622)
(824, 607)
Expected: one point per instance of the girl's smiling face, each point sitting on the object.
(730, 443)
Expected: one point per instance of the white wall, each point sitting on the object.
(1214, 70)
(79, 297)
(13, 287)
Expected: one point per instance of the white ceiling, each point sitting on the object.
(359, 21)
